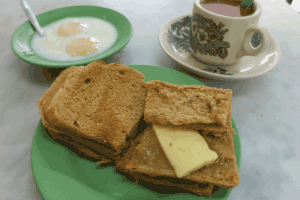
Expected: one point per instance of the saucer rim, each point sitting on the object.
(210, 74)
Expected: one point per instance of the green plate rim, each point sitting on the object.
(120, 22)
(37, 170)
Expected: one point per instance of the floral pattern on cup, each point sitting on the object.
(217, 70)
(207, 37)
(179, 36)
(256, 40)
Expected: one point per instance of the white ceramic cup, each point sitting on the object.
(223, 40)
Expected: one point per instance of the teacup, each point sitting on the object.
(223, 40)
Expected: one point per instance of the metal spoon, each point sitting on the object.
(31, 17)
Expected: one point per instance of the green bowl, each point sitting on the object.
(22, 37)
(60, 174)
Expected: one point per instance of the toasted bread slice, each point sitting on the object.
(229, 127)
(66, 139)
(195, 107)
(146, 158)
(45, 100)
(99, 105)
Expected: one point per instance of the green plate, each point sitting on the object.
(60, 174)
(22, 37)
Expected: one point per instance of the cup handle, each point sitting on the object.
(247, 46)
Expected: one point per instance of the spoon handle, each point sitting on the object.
(31, 17)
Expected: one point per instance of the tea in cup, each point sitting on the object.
(221, 31)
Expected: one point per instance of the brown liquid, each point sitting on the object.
(223, 9)
(227, 8)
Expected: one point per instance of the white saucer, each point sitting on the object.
(174, 38)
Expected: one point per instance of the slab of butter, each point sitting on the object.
(186, 149)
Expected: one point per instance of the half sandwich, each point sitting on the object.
(146, 160)
(95, 110)
(193, 107)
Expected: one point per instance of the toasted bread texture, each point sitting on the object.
(98, 105)
(64, 138)
(217, 133)
(196, 107)
(146, 158)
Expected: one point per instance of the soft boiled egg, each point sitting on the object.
(83, 46)
(70, 29)
(74, 38)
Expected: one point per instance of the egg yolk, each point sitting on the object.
(69, 30)
(83, 46)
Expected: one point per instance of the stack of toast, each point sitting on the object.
(95, 110)
(105, 112)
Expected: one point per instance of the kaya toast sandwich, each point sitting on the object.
(145, 160)
(62, 137)
(98, 106)
(192, 107)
